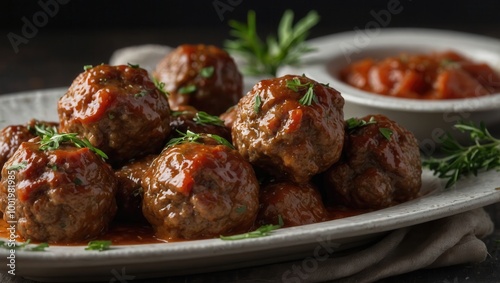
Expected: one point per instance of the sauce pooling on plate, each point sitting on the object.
(444, 75)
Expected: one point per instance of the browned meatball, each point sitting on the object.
(11, 137)
(203, 76)
(380, 166)
(275, 129)
(62, 195)
(229, 116)
(200, 190)
(189, 119)
(296, 204)
(118, 109)
(130, 192)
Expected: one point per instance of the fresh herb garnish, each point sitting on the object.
(135, 66)
(160, 86)
(354, 123)
(24, 246)
(193, 137)
(50, 139)
(386, 132)
(265, 58)
(262, 231)
(98, 245)
(87, 67)
(187, 89)
(207, 72)
(462, 160)
(142, 93)
(203, 118)
(257, 103)
(18, 166)
(296, 85)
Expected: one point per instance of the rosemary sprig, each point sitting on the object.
(354, 123)
(462, 160)
(265, 58)
(262, 231)
(50, 139)
(203, 118)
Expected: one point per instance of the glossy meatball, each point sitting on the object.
(380, 166)
(118, 109)
(200, 190)
(57, 196)
(12, 136)
(186, 118)
(275, 129)
(229, 116)
(203, 76)
(129, 193)
(296, 204)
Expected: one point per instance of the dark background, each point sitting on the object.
(87, 32)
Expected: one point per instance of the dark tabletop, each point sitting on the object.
(87, 32)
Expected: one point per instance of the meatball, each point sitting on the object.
(296, 204)
(57, 196)
(203, 76)
(380, 166)
(11, 137)
(229, 116)
(130, 192)
(278, 130)
(187, 118)
(200, 190)
(118, 109)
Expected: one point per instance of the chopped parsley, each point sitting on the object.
(87, 67)
(142, 93)
(386, 132)
(354, 123)
(160, 86)
(262, 231)
(24, 246)
(207, 72)
(187, 89)
(257, 103)
(18, 166)
(203, 118)
(98, 245)
(193, 137)
(296, 85)
(50, 139)
(135, 66)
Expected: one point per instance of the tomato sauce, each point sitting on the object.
(444, 75)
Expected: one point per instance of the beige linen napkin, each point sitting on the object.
(444, 242)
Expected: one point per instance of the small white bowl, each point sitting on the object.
(427, 119)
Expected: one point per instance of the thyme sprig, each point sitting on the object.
(50, 139)
(265, 58)
(461, 160)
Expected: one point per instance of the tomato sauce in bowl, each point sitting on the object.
(438, 75)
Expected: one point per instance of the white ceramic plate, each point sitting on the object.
(167, 259)
(425, 118)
